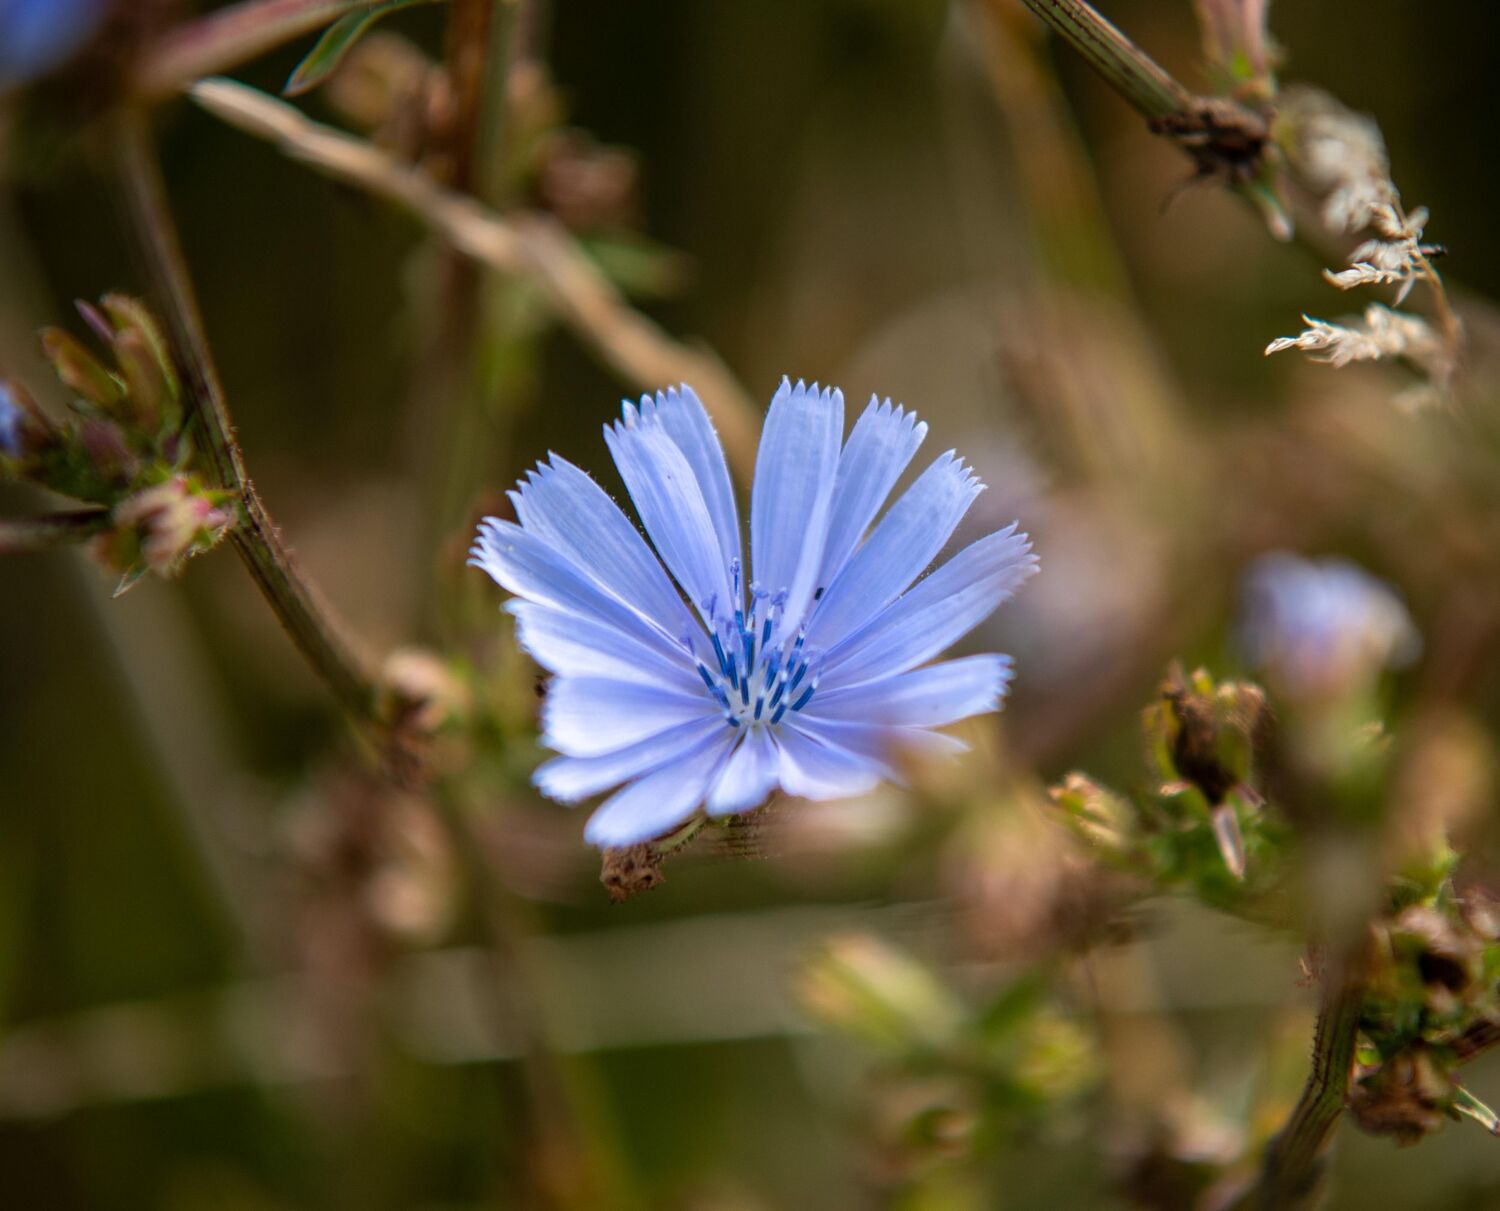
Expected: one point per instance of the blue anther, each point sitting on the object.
(780, 711)
(802, 701)
(719, 652)
(760, 704)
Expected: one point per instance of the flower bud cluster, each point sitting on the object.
(123, 447)
(1203, 827)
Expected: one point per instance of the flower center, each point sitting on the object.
(756, 681)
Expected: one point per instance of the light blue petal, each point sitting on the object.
(880, 742)
(569, 779)
(529, 567)
(574, 645)
(686, 421)
(589, 716)
(749, 777)
(817, 769)
(937, 612)
(789, 505)
(927, 697)
(907, 539)
(671, 506)
(883, 442)
(562, 505)
(661, 800)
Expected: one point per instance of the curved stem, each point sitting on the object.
(1293, 1160)
(302, 611)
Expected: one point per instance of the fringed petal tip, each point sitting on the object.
(813, 390)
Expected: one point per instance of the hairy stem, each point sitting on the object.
(23, 534)
(301, 609)
(1293, 1160)
(231, 35)
(1132, 73)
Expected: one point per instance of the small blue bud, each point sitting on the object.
(11, 420)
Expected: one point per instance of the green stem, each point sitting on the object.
(1132, 73)
(301, 609)
(19, 535)
(1293, 1160)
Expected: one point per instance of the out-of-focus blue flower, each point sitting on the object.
(12, 417)
(38, 35)
(1322, 628)
(708, 683)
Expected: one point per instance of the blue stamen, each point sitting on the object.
(719, 652)
(802, 701)
(780, 711)
(760, 704)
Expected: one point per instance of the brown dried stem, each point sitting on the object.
(530, 245)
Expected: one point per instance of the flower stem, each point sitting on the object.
(1293, 1160)
(1132, 73)
(301, 609)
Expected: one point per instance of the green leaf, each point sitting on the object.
(336, 42)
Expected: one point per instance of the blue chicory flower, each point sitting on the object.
(1322, 628)
(38, 35)
(715, 685)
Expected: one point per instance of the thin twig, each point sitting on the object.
(301, 609)
(19, 535)
(1133, 73)
(533, 246)
(1225, 139)
(230, 36)
(1293, 1160)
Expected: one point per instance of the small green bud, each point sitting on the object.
(862, 986)
(80, 370)
(159, 528)
(148, 397)
(145, 359)
(1095, 813)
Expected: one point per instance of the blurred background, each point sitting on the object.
(237, 970)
